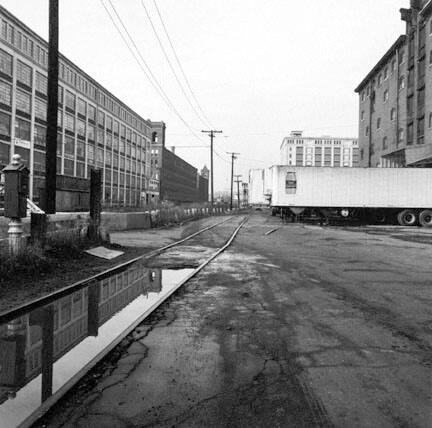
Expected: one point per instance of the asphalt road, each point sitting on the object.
(307, 326)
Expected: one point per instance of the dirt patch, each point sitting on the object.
(63, 271)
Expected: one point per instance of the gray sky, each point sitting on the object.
(259, 68)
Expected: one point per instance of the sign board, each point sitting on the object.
(104, 253)
(22, 143)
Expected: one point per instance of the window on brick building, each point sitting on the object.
(386, 95)
(367, 131)
(393, 114)
(379, 80)
(401, 57)
(362, 115)
(430, 27)
(385, 73)
(379, 123)
(401, 82)
(393, 66)
(384, 143)
(430, 120)
(401, 136)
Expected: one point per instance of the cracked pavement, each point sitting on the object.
(308, 326)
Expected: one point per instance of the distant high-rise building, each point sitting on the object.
(395, 98)
(297, 150)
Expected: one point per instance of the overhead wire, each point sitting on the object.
(171, 66)
(147, 70)
(180, 66)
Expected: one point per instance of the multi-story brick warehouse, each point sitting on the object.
(95, 129)
(180, 181)
(298, 150)
(395, 114)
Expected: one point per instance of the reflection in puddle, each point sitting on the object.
(44, 349)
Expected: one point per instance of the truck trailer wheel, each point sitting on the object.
(425, 218)
(407, 218)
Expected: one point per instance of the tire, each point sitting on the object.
(377, 216)
(407, 218)
(425, 218)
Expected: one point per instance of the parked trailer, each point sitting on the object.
(375, 194)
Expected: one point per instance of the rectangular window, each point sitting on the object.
(116, 127)
(90, 154)
(101, 118)
(22, 129)
(70, 100)
(68, 168)
(100, 136)
(5, 63)
(81, 128)
(41, 83)
(5, 93)
(109, 123)
(99, 156)
(69, 147)
(69, 122)
(39, 135)
(23, 101)
(39, 161)
(5, 124)
(40, 109)
(80, 169)
(59, 118)
(91, 132)
(60, 94)
(82, 107)
(80, 149)
(290, 183)
(91, 112)
(59, 145)
(24, 73)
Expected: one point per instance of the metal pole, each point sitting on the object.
(51, 143)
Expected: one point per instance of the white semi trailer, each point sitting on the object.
(374, 194)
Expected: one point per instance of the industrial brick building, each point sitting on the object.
(95, 129)
(178, 180)
(395, 98)
(298, 150)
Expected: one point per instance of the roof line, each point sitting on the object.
(69, 62)
(400, 41)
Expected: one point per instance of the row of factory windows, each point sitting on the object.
(28, 47)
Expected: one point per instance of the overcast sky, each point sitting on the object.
(259, 68)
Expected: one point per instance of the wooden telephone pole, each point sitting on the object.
(211, 133)
(238, 181)
(233, 157)
(51, 142)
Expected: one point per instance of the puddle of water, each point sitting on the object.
(44, 349)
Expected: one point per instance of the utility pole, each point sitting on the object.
(238, 181)
(211, 133)
(233, 157)
(51, 141)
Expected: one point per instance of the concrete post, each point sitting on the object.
(15, 231)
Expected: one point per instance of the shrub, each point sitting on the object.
(29, 262)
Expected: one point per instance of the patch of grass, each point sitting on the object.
(31, 261)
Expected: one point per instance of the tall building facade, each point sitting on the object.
(95, 129)
(297, 150)
(395, 98)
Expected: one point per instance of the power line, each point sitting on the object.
(180, 66)
(147, 70)
(171, 66)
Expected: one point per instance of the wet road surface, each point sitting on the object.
(306, 326)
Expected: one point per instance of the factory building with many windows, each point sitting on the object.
(297, 150)
(95, 129)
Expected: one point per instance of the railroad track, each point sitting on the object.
(50, 343)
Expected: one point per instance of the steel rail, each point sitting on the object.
(10, 314)
(49, 403)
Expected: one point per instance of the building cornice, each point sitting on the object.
(396, 45)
